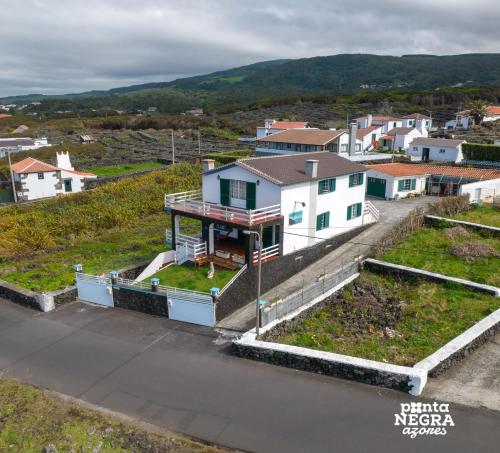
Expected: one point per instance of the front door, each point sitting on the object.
(68, 187)
(425, 154)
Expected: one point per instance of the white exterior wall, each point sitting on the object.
(392, 184)
(388, 125)
(481, 190)
(266, 193)
(422, 124)
(402, 141)
(451, 154)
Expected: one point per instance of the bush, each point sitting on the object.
(479, 151)
(449, 206)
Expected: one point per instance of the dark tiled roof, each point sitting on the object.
(4, 143)
(416, 116)
(290, 168)
(304, 136)
(444, 142)
(400, 131)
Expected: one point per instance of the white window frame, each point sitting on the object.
(238, 189)
(407, 184)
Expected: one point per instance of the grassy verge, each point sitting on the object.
(486, 215)
(188, 276)
(33, 419)
(431, 249)
(421, 316)
(116, 170)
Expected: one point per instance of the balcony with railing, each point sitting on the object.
(192, 202)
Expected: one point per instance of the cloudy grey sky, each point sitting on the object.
(61, 46)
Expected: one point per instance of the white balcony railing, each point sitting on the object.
(266, 253)
(192, 202)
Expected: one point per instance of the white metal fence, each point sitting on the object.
(230, 282)
(307, 294)
(267, 253)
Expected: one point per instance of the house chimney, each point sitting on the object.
(369, 119)
(353, 129)
(208, 164)
(312, 168)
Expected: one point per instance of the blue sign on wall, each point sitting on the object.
(294, 218)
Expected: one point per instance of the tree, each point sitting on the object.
(478, 110)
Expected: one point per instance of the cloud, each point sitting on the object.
(56, 46)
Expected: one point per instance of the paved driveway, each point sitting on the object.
(180, 376)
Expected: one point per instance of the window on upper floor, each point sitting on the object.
(41, 176)
(326, 185)
(356, 179)
(238, 189)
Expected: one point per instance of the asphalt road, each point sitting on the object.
(181, 377)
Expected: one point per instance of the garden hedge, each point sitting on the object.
(479, 151)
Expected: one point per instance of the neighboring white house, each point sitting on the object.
(21, 144)
(463, 120)
(400, 138)
(369, 137)
(305, 141)
(295, 200)
(272, 127)
(441, 149)
(35, 179)
(400, 180)
(418, 121)
(386, 122)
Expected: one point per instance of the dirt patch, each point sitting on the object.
(368, 308)
(469, 251)
(457, 232)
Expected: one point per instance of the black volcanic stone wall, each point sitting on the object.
(145, 302)
(244, 289)
(18, 295)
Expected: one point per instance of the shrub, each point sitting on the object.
(449, 206)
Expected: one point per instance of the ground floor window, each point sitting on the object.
(322, 221)
(354, 210)
(407, 184)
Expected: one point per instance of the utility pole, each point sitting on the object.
(199, 142)
(14, 193)
(173, 147)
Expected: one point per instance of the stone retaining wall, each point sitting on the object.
(19, 295)
(433, 220)
(93, 183)
(140, 300)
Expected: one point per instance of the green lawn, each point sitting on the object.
(187, 276)
(112, 250)
(432, 314)
(116, 170)
(485, 215)
(430, 249)
(33, 419)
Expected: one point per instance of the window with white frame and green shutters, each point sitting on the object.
(322, 221)
(404, 185)
(356, 179)
(354, 210)
(326, 186)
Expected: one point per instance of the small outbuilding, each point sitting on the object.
(438, 149)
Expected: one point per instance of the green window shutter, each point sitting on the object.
(320, 187)
(327, 219)
(349, 212)
(413, 184)
(360, 179)
(401, 185)
(331, 184)
(359, 207)
(224, 192)
(318, 222)
(251, 195)
(351, 180)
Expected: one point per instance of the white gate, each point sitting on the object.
(190, 306)
(95, 289)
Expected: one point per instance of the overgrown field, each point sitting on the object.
(485, 215)
(123, 169)
(393, 320)
(454, 251)
(34, 420)
(115, 225)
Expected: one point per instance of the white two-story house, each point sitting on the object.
(272, 126)
(418, 121)
(293, 201)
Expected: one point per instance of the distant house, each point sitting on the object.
(418, 121)
(21, 144)
(86, 139)
(20, 129)
(272, 127)
(463, 120)
(36, 179)
(400, 180)
(305, 141)
(369, 137)
(4, 115)
(387, 122)
(399, 138)
(194, 112)
(439, 149)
